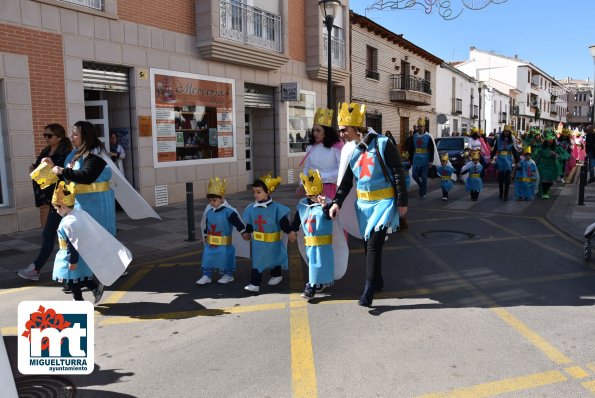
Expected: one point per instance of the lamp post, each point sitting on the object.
(479, 109)
(329, 11)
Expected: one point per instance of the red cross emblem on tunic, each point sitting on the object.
(309, 222)
(260, 222)
(365, 162)
(213, 232)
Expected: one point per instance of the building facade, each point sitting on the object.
(496, 110)
(194, 89)
(457, 101)
(394, 78)
(579, 94)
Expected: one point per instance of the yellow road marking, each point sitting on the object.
(9, 331)
(303, 371)
(577, 372)
(589, 385)
(591, 367)
(549, 226)
(21, 289)
(503, 386)
(123, 289)
(533, 337)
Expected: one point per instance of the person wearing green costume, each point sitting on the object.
(550, 158)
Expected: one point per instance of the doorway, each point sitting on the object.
(403, 133)
(248, 144)
(96, 114)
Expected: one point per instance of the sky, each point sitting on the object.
(554, 35)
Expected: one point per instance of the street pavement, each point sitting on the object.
(437, 328)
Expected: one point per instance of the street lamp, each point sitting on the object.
(329, 11)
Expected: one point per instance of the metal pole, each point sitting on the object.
(582, 182)
(479, 110)
(329, 85)
(190, 212)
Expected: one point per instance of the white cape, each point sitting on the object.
(131, 201)
(340, 249)
(347, 215)
(104, 254)
(242, 246)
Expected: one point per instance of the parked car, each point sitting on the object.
(455, 147)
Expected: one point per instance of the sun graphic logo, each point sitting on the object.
(56, 337)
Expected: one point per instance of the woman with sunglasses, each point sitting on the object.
(91, 175)
(57, 148)
(323, 153)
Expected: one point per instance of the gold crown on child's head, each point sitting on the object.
(63, 194)
(475, 155)
(444, 157)
(354, 117)
(270, 182)
(312, 182)
(527, 149)
(421, 121)
(44, 176)
(405, 155)
(217, 186)
(324, 117)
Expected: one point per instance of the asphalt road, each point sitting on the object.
(481, 299)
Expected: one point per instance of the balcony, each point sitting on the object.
(337, 52)
(232, 32)
(457, 106)
(410, 90)
(553, 110)
(94, 4)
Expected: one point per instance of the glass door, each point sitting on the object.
(96, 113)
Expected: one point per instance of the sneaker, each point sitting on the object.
(545, 196)
(204, 280)
(422, 196)
(98, 292)
(225, 279)
(309, 292)
(252, 288)
(29, 273)
(444, 198)
(275, 280)
(562, 180)
(66, 289)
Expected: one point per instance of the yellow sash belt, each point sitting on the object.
(474, 176)
(62, 244)
(267, 236)
(526, 179)
(503, 153)
(379, 194)
(421, 150)
(219, 240)
(446, 177)
(93, 187)
(318, 240)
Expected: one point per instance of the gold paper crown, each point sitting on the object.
(324, 117)
(44, 176)
(421, 121)
(508, 127)
(480, 131)
(474, 130)
(475, 155)
(444, 157)
(355, 118)
(405, 155)
(217, 186)
(312, 182)
(63, 194)
(270, 182)
(527, 149)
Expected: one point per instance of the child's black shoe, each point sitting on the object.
(309, 292)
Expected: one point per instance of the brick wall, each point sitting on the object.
(46, 73)
(296, 26)
(174, 15)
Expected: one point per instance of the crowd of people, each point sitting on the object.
(354, 181)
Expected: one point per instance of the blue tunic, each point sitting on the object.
(406, 168)
(373, 214)
(421, 157)
(63, 258)
(100, 205)
(504, 161)
(321, 261)
(474, 182)
(221, 257)
(445, 174)
(524, 180)
(266, 255)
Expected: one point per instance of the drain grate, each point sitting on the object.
(45, 387)
(447, 235)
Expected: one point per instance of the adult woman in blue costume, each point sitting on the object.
(375, 166)
(505, 154)
(91, 176)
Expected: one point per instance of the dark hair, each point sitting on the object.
(213, 196)
(64, 146)
(89, 139)
(330, 137)
(260, 184)
(507, 137)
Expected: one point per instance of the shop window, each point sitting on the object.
(374, 120)
(192, 118)
(3, 184)
(300, 120)
(372, 63)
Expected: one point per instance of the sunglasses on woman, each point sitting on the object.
(48, 136)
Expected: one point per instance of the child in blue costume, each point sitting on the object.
(474, 184)
(445, 172)
(318, 235)
(265, 220)
(217, 224)
(525, 181)
(69, 268)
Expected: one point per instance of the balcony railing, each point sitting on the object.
(372, 74)
(337, 51)
(502, 117)
(94, 4)
(457, 106)
(408, 82)
(250, 25)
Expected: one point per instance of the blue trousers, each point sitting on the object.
(420, 175)
(591, 157)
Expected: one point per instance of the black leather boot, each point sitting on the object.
(368, 295)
